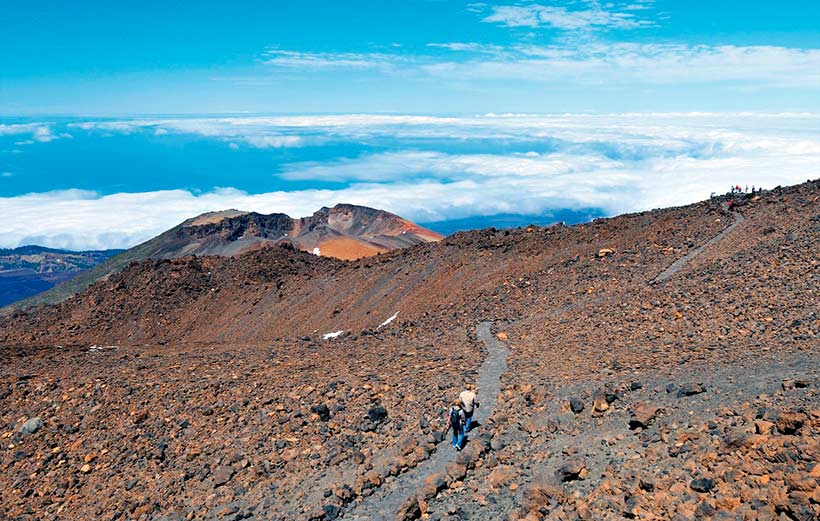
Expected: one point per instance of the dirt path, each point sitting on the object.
(384, 504)
(680, 263)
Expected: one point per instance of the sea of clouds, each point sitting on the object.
(612, 162)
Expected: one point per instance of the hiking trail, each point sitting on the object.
(384, 504)
(680, 263)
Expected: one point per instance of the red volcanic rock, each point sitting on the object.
(176, 375)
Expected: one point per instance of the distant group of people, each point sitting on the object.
(738, 190)
(460, 417)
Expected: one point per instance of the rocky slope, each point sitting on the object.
(344, 232)
(210, 392)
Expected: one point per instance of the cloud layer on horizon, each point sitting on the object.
(616, 163)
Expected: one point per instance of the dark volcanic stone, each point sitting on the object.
(690, 390)
(331, 511)
(322, 411)
(702, 485)
(377, 414)
(576, 405)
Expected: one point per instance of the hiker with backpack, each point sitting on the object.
(456, 420)
(469, 404)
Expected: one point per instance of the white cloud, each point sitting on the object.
(536, 15)
(648, 64)
(312, 61)
(37, 132)
(586, 62)
(255, 132)
(615, 162)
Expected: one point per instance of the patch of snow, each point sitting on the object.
(330, 336)
(96, 349)
(316, 251)
(391, 319)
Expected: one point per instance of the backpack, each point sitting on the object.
(455, 418)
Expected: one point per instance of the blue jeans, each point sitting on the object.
(458, 436)
(469, 416)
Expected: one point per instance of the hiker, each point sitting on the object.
(469, 403)
(456, 420)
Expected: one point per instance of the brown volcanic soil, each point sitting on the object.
(219, 361)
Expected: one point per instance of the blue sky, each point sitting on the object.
(104, 58)
(118, 120)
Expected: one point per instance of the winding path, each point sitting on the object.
(385, 504)
(680, 263)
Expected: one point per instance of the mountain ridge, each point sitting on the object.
(344, 231)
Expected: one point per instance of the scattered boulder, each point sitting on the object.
(642, 415)
(600, 404)
(433, 485)
(790, 422)
(222, 475)
(377, 414)
(409, 510)
(573, 469)
(322, 411)
(702, 485)
(576, 405)
(690, 390)
(331, 511)
(789, 385)
(31, 425)
(456, 470)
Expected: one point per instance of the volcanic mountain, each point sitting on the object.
(345, 232)
(656, 365)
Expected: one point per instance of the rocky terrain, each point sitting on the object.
(28, 270)
(345, 231)
(282, 385)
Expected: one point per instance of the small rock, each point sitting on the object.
(226, 510)
(789, 385)
(85, 469)
(31, 426)
(690, 390)
(763, 427)
(576, 405)
(456, 470)
(572, 470)
(331, 511)
(377, 414)
(642, 415)
(702, 485)
(409, 510)
(322, 411)
(222, 475)
(789, 422)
